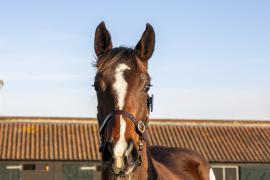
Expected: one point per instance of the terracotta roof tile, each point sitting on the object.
(24, 138)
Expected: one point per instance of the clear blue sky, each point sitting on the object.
(212, 58)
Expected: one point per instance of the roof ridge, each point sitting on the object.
(234, 123)
(182, 122)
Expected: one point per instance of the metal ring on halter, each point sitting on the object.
(141, 127)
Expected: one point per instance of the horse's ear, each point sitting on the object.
(103, 40)
(146, 45)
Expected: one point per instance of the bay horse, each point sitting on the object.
(122, 83)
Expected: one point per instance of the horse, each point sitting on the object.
(122, 83)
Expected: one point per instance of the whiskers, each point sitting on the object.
(108, 164)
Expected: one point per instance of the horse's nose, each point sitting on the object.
(117, 170)
(123, 161)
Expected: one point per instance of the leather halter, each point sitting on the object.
(140, 126)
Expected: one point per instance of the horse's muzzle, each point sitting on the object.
(128, 161)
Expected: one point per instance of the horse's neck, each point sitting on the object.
(152, 173)
(146, 171)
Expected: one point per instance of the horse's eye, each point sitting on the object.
(100, 86)
(95, 87)
(147, 87)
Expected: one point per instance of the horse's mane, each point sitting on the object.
(115, 56)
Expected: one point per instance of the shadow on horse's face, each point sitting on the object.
(121, 83)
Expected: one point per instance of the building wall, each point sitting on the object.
(255, 172)
(246, 171)
(52, 170)
(70, 170)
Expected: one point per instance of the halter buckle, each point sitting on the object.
(140, 160)
(141, 127)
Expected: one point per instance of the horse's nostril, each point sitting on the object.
(130, 148)
(131, 154)
(107, 152)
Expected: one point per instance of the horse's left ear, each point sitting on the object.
(146, 45)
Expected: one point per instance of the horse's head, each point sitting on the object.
(122, 83)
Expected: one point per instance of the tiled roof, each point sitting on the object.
(23, 138)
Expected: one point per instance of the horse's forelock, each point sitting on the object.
(119, 55)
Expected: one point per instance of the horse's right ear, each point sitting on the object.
(103, 40)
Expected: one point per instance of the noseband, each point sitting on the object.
(140, 126)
